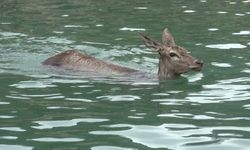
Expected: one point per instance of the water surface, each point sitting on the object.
(46, 108)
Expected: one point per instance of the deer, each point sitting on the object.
(173, 60)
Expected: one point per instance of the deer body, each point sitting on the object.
(75, 60)
(174, 60)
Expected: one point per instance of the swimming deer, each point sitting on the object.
(173, 61)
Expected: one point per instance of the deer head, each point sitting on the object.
(174, 60)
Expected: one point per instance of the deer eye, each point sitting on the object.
(173, 54)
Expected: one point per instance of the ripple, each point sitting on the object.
(50, 139)
(5, 23)
(67, 81)
(203, 117)
(75, 26)
(226, 46)
(132, 29)
(11, 34)
(222, 12)
(4, 103)
(57, 40)
(32, 84)
(58, 32)
(247, 106)
(173, 136)
(248, 64)
(41, 95)
(213, 29)
(189, 11)
(229, 144)
(119, 98)
(232, 3)
(150, 83)
(95, 43)
(176, 115)
(242, 33)
(235, 80)
(168, 101)
(6, 117)
(9, 137)
(194, 77)
(79, 99)
(246, 70)
(66, 15)
(135, 117)
(17, 97)
(60, 107)
(229, 135)
(99, 25)
(239, 14)
(15, 129)
(15, 147)
(224, 90)
(110, 148)
(65, 123)
(141, 8)
(221, 64)
(152, 136)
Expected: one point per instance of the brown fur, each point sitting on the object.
(75, 60)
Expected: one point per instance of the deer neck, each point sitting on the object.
(165, 70)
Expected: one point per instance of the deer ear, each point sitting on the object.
(167, 38)
(151, 43)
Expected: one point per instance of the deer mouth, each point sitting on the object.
(196, 68)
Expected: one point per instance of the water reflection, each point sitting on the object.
(15, 129)
(226, 46)
(65, 123)
(110, 148)
(9, 137)
(6, 117)
(119, 98)
(13, 147)
(225, 90)
(173, 136)
(242, 33)
(50, 139)
(221, 64)
(131, 29)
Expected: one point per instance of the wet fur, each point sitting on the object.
(75, 60)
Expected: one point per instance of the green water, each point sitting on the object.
(42, 108)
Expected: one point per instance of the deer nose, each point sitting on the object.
(199, 62)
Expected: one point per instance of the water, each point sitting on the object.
(42, 108)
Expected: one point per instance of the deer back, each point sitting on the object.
(75, 60)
